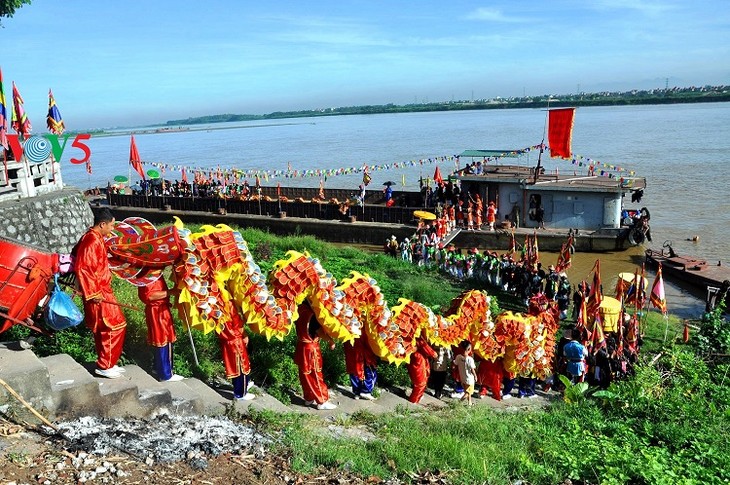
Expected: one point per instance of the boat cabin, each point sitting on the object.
(588, 202)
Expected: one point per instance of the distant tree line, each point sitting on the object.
(705, 94)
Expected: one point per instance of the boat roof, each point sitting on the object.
(518, 174)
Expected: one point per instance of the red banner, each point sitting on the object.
(560, 132)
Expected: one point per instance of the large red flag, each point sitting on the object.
(134, 159)
(437, 176)
(560, 132)
(184, 176)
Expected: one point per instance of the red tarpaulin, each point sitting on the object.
(560, 132)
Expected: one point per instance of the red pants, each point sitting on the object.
(108, 344)
(490, 376)
(418, 370)
(310, 373)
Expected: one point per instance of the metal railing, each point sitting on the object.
(312, 210)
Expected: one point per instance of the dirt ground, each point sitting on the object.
(31, 458)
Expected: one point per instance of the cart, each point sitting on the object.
(26, 274)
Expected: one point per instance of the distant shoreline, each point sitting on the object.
(691, 95)
(186, 129)
(707, 94)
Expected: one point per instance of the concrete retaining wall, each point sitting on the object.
(53, 221)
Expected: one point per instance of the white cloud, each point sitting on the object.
(492, 15)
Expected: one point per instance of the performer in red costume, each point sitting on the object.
(478, 211)
(490, 375)
(233, 340)
(491, 215)
(103, 316)
(419, 368)
(160, 328)
(308, 356)
(361, 364)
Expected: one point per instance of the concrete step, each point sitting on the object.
(184, 399)
(212, 402)
(75, 392)
(28, 376)
(262, 402)
(152, 395)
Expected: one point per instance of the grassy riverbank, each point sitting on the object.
(666, 425)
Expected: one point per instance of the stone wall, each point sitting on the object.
(53, 221)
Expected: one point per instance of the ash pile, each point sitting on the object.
(164, 438)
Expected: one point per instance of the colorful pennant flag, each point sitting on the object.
(657, 297)
(596, 294)
(3, 115)
(21, 123)
(54, 119)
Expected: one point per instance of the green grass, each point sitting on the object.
(668, 424)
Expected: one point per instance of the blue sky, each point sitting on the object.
(137, 62)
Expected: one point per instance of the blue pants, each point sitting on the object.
(163, 362)
(240, 385)
(508, 384)
(527, 386)
(364, 386)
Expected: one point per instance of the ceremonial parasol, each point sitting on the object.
(122, 179)
(610, 310)
(153, 174)
(629, 278)
(425, 215)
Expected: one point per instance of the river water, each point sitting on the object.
(682, 150)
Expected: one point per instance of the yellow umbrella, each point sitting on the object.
(629, 278)
(610, 309)
(425, 215)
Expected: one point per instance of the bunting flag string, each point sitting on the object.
(598, 168)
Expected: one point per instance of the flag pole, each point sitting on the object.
(190, 334)
(542, 144)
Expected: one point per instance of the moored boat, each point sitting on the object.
(689, 270)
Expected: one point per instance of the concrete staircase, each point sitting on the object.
(60, 388)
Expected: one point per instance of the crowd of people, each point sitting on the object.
(588, 350)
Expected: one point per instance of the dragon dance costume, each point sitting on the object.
(308, 356)
(419, 368)
(160, 327)
(104, 317)
(361, 363)
(233, 340)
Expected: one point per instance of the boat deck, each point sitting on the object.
(689, 269)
